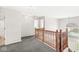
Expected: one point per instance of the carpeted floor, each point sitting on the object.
(28, 44)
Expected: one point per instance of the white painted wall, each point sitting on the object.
(17, 24)
(13, 21)
(51, 24)
(2, 28)
(63, 22)
(27, 27)
(1, 23)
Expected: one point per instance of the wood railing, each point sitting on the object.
(58, 40)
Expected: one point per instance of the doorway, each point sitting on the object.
(39, 24)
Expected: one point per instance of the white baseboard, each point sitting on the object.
(7, 43)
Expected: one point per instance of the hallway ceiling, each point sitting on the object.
(49, 11)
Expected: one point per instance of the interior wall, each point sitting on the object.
(27, 28)
(1, 23)
(51, 24)
(22, 25)
(63, 22)
(12, 25)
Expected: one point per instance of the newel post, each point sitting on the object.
(57, 43)
(61, 41)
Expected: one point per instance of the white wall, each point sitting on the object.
(27, 28)
(63, 22)
(22, 25)
(51, 24)
(13, 21)
(1, 23)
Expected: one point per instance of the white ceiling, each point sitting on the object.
(49, 11)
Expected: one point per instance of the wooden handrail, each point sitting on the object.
(49, 35)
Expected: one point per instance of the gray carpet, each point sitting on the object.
(28, 44)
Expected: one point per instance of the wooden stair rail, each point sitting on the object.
(60, 39)
(63, 40)
(57, 41)
(43, 35)
(67, 36)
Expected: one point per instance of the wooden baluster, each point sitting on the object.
(57, 43)
(53, 37)
(61, 41)
(67, 36)
(43, 35)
